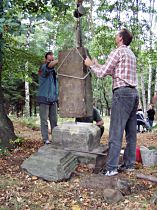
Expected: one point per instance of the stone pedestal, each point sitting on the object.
(71, 143)
(82, 140)
(76, 136)
(75, 88)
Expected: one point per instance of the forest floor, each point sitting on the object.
(20, 191)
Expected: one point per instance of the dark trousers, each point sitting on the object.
(47, 112)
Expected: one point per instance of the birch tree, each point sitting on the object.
(151, 15)
(27, 96)
(143, 94)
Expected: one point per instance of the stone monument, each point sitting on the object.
(75, 87)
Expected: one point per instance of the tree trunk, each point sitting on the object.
(139, 92)
(155, 91)
(27, 95)
(6, 126)
(78, 27)
(149, 84)
(78, 33)
(154, 99)
(143, 95)
(151, 16)
(107, 103)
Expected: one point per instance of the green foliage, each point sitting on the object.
(63, 120)
(16, 54)
(34, 121)
(155, 128)
(53, 28)
(152, 148)
(17, 142)
(3, 150)
(31, 122)
(5, 182)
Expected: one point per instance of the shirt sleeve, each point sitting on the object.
(47, 66)
(46, 70)
(108, 67)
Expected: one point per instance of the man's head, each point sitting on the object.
(150, 106)
(49, 57)
(124, 36)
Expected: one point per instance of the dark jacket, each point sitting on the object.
(151, 113)
(48, 85)
(95, 117)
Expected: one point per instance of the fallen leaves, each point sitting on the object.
(19, 190)
(76, 207)
(33, 178)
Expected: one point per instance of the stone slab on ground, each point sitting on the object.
(51, 164)
(76, 136)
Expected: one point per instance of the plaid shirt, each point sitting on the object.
(121, 65)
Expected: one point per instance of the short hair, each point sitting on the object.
(48, 53)
(152, 105)
(126, 36)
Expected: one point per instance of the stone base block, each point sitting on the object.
(76, 136)
(51, 164)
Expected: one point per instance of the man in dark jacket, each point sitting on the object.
(47, 95)
(151, 114)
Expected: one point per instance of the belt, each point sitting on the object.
(129, 86)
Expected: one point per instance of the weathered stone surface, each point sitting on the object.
(75, 93)
(93, 157)
(124, 186)
(76, 136)
(112, 195)
(100, 181)
(51, 164)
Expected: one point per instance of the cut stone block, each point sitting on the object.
(76, 136)
(51, 164)
(75, 88)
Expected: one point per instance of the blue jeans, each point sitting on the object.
(123, 118)
(47, 112)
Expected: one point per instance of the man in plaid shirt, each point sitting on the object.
(121, 65)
